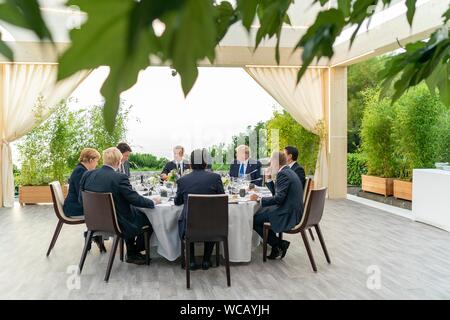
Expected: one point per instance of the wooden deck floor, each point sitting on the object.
(374, 254)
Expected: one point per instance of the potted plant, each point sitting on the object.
(418, 134)
(378, 144)
(51, 150)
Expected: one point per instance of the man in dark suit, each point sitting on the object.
(198, 181)
(244, 166)
(291, 157)
(131, 221)
(125, 164)
(178, 163)
(284, 209)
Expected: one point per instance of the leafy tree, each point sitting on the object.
(122, 34)
(361, 76)
(418, 131)
(378, 144)
(292, 133)
(146, 162)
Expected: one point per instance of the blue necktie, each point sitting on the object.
(241, 170)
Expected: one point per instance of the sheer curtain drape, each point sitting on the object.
(21, 87)
(305, 102)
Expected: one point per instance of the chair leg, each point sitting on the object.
(121, 249)
(280, 236)
(311, 234)
(227, 261)
(112, 255)
(265, 237)
(186, 263)
(322, 243)
(55, 236)
(183, 255)
(147, 247)
(87, 242)
(308, 250)
(217, 254)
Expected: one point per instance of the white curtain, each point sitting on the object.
(21, 86)
(305, 102)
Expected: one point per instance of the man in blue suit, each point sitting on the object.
(245, 166)
(199, 181)
(284, 209)
(131, 221)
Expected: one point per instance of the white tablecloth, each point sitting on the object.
(241, 237)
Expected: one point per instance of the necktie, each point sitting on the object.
(241, 170)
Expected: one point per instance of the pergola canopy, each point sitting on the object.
(237, 48)
(318, 102)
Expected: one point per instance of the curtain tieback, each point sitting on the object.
(4, 142)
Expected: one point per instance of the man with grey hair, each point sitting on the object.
(131, 221)
(246, 167)
(284, 209)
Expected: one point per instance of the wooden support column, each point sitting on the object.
(337, 132)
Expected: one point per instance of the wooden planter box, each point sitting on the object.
(383, 186)
(403, 190)
(37, 194)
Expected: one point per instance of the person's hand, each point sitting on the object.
(164, 176)
(156, 199)
(254, 197)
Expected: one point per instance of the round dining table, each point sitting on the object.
(242, 239)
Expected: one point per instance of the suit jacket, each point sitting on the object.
(106, 179)
(298, 169)
(72, 207)
(253, 167)
(196, 182)
(172, 165)
(126, 168)
(285, 207)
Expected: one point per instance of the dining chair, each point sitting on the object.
(311, 218)
(207, 220)
(58, 202)
(306, 190)
(100, 215)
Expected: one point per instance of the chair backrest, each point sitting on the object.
(315, 204)
(58, 199)
(100, 212)
(307, 188)
(207, 217)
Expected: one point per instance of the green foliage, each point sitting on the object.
(292, 133)
(418, 131)
(356, 166)
(378, 144)
(98, 137)
(121, 34)
(361, 76)
(412, 133)
(51, 150)
(146, 162)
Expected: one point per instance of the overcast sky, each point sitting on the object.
(223, 102)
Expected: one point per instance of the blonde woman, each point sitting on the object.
(88, 161)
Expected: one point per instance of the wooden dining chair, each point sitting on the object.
(311, 218)
(100, 215)
(306, 190)
(58, 202)
(207, 220)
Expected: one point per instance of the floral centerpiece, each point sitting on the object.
(173, 176)
(226, 181)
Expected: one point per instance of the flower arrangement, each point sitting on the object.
(173, 176)
(226, 181)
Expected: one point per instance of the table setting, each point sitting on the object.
(242, 240)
